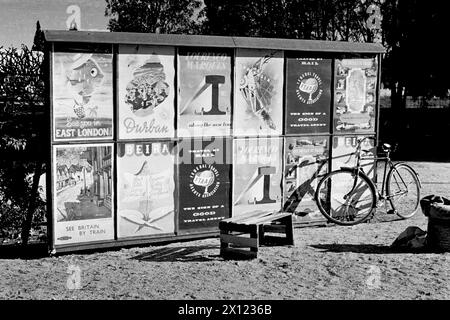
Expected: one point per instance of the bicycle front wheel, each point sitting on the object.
(346, 197)
(403, 190)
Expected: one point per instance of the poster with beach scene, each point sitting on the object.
(83, 188)
(145, 189)
(146, 92)
(82, 93)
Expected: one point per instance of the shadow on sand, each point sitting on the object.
(367, 249)
(179, 254)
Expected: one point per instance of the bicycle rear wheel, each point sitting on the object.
(346, 197)
(403, 190)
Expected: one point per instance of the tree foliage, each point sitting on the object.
(156, 16)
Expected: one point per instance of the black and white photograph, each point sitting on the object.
(224, 158)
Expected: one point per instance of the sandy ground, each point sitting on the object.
(325, 263)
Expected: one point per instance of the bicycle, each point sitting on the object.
(348, 196)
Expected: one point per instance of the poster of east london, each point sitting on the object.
(145, 189)
(258, 93)
(204, 92)
(83, 187)
(146, 92)
(82, 93)
(257, 175)
(355, 95)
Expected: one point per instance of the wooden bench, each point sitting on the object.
(243, 235)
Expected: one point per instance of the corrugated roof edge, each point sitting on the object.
(210, 41)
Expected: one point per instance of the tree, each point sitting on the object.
(156, 16)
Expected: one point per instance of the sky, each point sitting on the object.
(18, 18)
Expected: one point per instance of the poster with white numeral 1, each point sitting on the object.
(258, 93)
(257, 175)
(145, 189)
(146, 92)
(83, 192)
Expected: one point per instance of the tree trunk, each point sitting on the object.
(26, 227)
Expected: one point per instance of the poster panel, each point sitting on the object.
(257, 175)
(306, 162)
(83, 191)
(355, 95)
(82, 96)
(308, 95)
(204, 175)
(146, 92)
(343, 155)
(258, 107)
(204, 92)
(145, 188)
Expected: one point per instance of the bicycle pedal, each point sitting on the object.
(392, 211)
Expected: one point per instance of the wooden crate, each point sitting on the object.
(242, 236)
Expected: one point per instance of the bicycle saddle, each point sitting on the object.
(386, 147)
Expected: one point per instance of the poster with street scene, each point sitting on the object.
(204, 92)
(83, 189)
(257, 175)
(204, 175)
(355, 95)
(306, 161)
(145, 188)
(82, 93)
(258, 93)
(146, 92)
(308, 95)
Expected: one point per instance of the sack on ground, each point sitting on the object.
(412, 238)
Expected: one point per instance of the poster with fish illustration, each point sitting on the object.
(82, 96)
(258, 93)
(204, 92)
(145, 189)
(83, 189)
(355, 95)
(204, 175)
(146, 92)
(257, 175)
(308, 95)
(306, 161)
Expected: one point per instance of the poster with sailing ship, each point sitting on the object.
(306, 161)
(83, 192)
(82, 94)
(308, 95)
(204, 92)
(257, 175)
(258, 93)
(204, 175)
(355, 95)
(145, 189)
(146, 92)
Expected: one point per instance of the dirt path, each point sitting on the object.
(326, 263)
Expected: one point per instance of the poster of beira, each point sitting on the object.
(308, 95)
(145, 188)
(343, 155)
(204, 175)
(257, 175)
(258, 93)
(306, 161)
(204, 92)
(146, 92)
(83, 189)
(355, 95)
(82, 92)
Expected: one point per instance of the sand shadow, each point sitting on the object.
(367, 249)
(179, 254)
(29, 252)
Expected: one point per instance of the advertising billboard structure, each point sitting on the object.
(159, 137)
